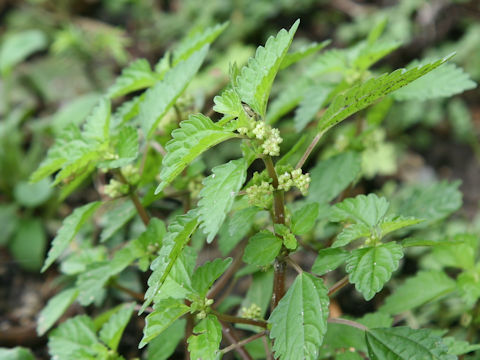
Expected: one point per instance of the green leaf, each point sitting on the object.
(178, 235)
(195, 136)
(70, 227)
(112, 330)
(119, 213)
(351, 233)
(16, 353)
(75, 339)
(304, 218)
(97, 125)
(165, 312)
(368, 210)
(196, 41)
(313, 100)
(17, 47)
(205, 275)
(287, 99)
(236, 228)
(404, 343)
(262, 248)
(425, 286)
(229, 104)
(55, 308)
(218, 194)
(91, 282)
(32, 195)
(310, 49)
(362, 95)
(328, 260)
(371, 267)
(468, 283)
(394, 223)
(459, 347)
(371, 53)
(28, 244)
(164, 345)
(126, 149)
(299, 322)
(445, 81)
(161, 97)
(430, 202)
(204, 344)
(136, 76)
(256, 78)
(330, 177)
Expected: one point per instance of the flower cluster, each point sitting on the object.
(260, 195)
(270, 136)
(294, 178)
(252, 312)
(115, 189)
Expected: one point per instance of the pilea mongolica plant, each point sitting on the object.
(177, 226)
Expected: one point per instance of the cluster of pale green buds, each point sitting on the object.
(202, 308)
(195, 186)
(115, 189)
(256, 193)
(270, 136)
(294, 178)
(252, 312)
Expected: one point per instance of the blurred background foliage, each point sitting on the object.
(58, 56)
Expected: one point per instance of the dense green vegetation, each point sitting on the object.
(186, 196)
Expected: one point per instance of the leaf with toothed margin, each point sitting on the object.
(218, 194)
(195, 136)
(161, 97)
(256, 78)
(299, 322)
(370, 268)
(205, 341)
(177, 237)
(363, 95)
(70, 227)
(55, 308)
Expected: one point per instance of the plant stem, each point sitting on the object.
(348, 323)
(280, 264)
(243, 342)
(229, 333)
(338, 285)
(309, 150)
(239, 320)
(140, 209)
(294, 265)
(136, 295)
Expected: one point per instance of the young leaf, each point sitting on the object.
(256, 79)
(91, 282)
(293, 57)
(18, 46)
(299, 322)
(371, 267)
(163, 346)
(55, 308)
(195, 136)
(160, 98)
(287, 99)
(218, 193)
(425, 286)
(445, 81)
(373, 52)
(328, 260)
(394, 223)
(196, 41)
(262, 248)
(165, 313)
(313, 100)
(75, 339)
(351, 233)
(112, 330)
(468, 284)
(362, 95)
(178, 235)
(205, 275)
(404, 343)
(16, 353)
(368, 210)
(138, 75)
(126, 148)
(70, 227)
(97, 125)
(304, 218)
(205, 342)
(330, 177)
(29, 243)
(430, 202)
